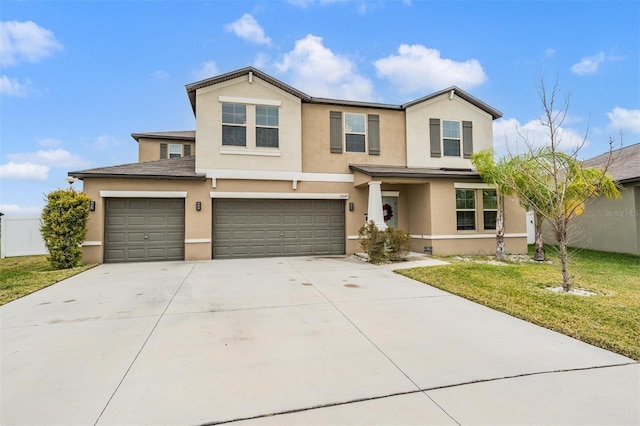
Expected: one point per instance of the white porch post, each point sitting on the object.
(375, 205)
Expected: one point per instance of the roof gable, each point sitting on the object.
(625, 167)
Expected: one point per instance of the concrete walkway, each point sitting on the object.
(291, 341)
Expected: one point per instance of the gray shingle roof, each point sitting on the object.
(189, 135)
(193, 87)
(626, 164)
(413, 172)
(173, 168)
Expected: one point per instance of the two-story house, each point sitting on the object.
(272, 171)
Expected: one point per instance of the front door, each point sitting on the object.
(390, 211)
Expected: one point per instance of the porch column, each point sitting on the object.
(375, 205)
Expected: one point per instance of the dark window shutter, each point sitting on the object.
(374, 134)
(434, 135)
(467, 139)
(163, 151)
(186, 150)
(335, 131)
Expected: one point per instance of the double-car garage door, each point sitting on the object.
(261, 228)
(147, 229)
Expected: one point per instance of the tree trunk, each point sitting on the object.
(500, 253)
(561, 236)
(539, 254)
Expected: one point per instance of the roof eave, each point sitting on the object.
(82, 176)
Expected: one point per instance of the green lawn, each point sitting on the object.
(610, 319)
(20, 276)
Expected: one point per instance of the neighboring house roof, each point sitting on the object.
(193, 87)
(180, 135)
(626, 163)
(414, 172)
(182, 168)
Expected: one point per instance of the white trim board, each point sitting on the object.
(197, 240)
(277, 175)
(143, 194)
(465, 185)
(465, 237)
(280, 195)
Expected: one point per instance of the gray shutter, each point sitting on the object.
(467, 139)
(186, 150)
(335, 131)
(374, 134)
(163, 151)
(434, 135)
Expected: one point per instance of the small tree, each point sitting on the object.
(64, 227)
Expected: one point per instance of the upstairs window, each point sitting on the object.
(354, 132)
(234, 124)
(267, 123)
(465, 209)
(489, 208)
(451, 138)
(174, 150)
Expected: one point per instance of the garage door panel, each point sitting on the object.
(144, 230)
(277, 227)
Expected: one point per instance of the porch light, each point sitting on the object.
(92, 206)
(198, 206)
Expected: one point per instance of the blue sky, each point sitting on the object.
(78, 77)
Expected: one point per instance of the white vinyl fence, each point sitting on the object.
(531, 227)
(21, 236)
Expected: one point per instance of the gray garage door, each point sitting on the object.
(258, 228)
(141, 229)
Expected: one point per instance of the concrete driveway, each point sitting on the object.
(304, 340)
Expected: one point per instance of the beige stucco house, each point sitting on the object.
(272, 171)
(613, 224)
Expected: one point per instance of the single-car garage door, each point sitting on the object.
(144, 229)
(258, 228)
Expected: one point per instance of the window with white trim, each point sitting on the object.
(234, 124)
(465, 209)
(175, 150)
(267, 122)
(451, 138)
(489, 208)
(354, 132)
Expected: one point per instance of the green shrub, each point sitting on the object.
(64, 227)
(372, 241)
(398, 244)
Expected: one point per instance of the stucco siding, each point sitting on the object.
(213, 155)
(610, 224)
(443, 108)
(316, 155)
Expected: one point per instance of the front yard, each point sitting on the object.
(609, 319)
(20, 276)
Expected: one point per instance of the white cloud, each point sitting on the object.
(14, 209)
(49, 142)
(319, 72)
(417, 68)
(160, 75)
(625, 119)
(13, 87)
(589, 64)
(24, 171)
(104, 142)
(510, 135)
(247, 28)
(53, 157)
(25, 42)
(206, 70)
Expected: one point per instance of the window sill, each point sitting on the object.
(253, 152)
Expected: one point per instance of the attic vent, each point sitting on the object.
(449, 169)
